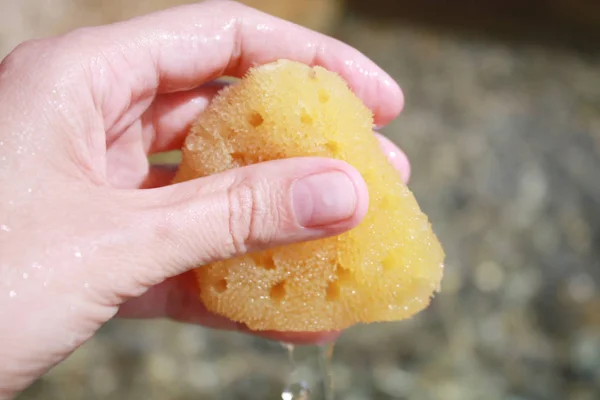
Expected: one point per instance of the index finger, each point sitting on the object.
(187, 46)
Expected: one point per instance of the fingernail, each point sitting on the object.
(323, 199)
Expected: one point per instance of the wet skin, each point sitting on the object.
(88, 229)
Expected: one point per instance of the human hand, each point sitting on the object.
(88, 230)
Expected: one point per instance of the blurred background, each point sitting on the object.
(502, 124)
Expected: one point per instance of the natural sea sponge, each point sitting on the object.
(387, 268)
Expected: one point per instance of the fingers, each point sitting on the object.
(298, 338)
(187, 46)
(244, 210)
(170, 117)
(162, 175)
(178, 300)
(396, 157)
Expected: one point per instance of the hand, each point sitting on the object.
(88, 230)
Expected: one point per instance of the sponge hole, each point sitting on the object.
(333, 291)
(277, 292)
(343, 274)
(324, 96)
(255, 119)
(240, 158)
(265, 262)
(333, 147)
(220, 286)
(305, 117)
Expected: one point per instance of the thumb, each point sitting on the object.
(244, 210)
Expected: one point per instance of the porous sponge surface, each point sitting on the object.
(387, 268)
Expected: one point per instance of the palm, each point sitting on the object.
(142, 114)
(157, 127)
(95, 103)
(127, 164)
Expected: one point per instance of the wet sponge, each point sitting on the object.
(387, 268)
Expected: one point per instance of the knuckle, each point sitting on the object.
(62, 54)
(23, 54)
(240, 208)
(253, 218)
(51, 55)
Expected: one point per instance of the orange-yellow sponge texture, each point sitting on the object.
(387, 268)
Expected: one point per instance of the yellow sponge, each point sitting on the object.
(387, 268)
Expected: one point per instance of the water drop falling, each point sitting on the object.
(325, 356)
(296, 388)
(309, 376)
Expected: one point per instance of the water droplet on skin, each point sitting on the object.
(4, 228)
(46, 284)
(36, 265)
(77, 252)
(29, 190)
(12, 294)
(86, 285)
(25, 275)
(263, 28)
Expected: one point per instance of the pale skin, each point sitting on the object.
(89, 231)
